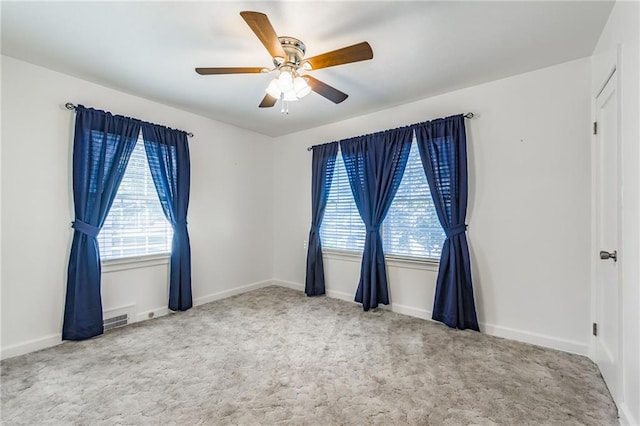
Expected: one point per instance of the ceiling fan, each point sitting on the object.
(293, 82)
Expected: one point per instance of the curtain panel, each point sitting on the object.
(443, 149)
(102, 146)
(168, 156)
(375, 164)
(322, 166)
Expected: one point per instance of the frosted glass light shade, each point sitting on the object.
(301, 87)
(290, 96)
(273, 89)
(285, 81)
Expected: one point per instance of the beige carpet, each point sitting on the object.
(274, 356)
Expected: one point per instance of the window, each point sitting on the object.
(136, 225)
(342, 228)
(411, 228)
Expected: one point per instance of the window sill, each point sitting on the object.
(135, 262)
(391, 260)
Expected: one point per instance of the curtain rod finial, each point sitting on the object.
(468, 115)
(69, 106)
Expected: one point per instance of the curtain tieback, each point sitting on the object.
(85, 228)
(455, 230)
(181, 224)
(315, 229)
(373, 228)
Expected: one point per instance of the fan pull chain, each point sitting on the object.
(285, 105)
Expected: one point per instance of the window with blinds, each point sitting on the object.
(136, 225)
(411, 228)
(342, 228)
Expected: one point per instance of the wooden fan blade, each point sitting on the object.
(329, 92)
(261, 26)
(237, 70)
(268, 101)
(346, 55)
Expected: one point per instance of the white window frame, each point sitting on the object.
(137, 262)
(394, 261)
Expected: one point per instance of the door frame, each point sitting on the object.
(610, 62)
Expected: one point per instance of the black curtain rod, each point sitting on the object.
(467, 115)
(71, 107)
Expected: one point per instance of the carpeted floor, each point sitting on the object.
(275, 356)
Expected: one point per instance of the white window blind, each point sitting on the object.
(136, 225)
(342, 228)
(411, 228)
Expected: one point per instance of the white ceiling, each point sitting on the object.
(421, 49)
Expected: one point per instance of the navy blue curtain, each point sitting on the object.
(168, 156)
(102, 146)
(443, 149)
(322, 167)
(375, 165)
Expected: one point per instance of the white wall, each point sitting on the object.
(231, 176)
(529, 220)
(619, 44)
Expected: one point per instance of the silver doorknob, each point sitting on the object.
(604, 255)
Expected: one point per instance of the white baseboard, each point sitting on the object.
(31, 346)
(288, 284)
(56, 339)
(155, 313)
(334, 294)
(232, 292)
(162, 311)
(626, 418)
(411, 311)
(490, 329)
(347, 297)
(394, 307)
(536, 339)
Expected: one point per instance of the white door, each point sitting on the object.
(607, 208)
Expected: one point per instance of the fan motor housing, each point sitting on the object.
(294, 49)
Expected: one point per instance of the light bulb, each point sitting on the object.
(290, 96)
(285, 81)
(273, 89)
(301, 87)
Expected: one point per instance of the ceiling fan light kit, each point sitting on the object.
(292, 83)
(301, 87)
